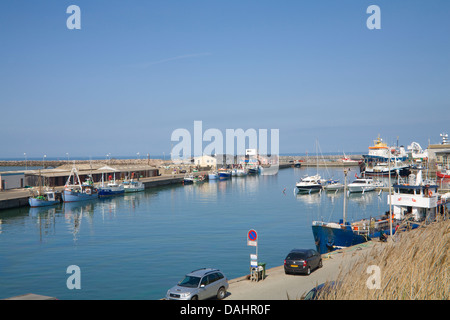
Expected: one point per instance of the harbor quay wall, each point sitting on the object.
(13, 203)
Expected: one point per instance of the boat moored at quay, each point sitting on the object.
(413, 203)
(47, 198)
(133, 186)
(224, 173)
(111, 189)
(76, 191)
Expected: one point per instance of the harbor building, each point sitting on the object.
(58, 176)
(12, 180)
(439, 154)
(205, 161)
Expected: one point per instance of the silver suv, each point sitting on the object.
(200, 284)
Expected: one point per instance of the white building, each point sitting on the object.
(205, 161)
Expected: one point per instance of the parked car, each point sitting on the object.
(200, 284)
(302, 261)
(324, 288)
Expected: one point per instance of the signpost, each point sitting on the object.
(252, 240)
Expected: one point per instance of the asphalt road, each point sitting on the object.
(279, 286)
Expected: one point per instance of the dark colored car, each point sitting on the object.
(324, 288)
(302, 261)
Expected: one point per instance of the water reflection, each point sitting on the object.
(45, 218)
(313, 198)
(73, 215)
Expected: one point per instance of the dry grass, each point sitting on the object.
(413, 266)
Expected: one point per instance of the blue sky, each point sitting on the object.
(138, 70)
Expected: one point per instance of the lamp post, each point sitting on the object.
(43, 161)
(26, 166)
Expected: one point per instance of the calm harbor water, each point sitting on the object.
(137, 246)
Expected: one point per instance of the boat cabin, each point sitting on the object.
(418, 200)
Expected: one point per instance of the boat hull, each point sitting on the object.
(213, 176)
(328, 238)
(134, 189)
(442, 175)
(334, 187)
(224, 175)
(360, 189)
(308, 189)
(71, 196)
(404, 171)
(110, 192)
(34, 203)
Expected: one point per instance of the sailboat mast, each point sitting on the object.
(345, 196)
(390, 195)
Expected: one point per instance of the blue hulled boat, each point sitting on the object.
(49, 198)
(224, 174)
(331, 236)
(213, 175)
(111, 189)
(413, 202)
(76, 191)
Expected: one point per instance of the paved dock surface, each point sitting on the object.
(280, 286)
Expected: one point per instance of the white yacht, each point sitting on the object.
(309, 184)
(333, 185)
(362, 185)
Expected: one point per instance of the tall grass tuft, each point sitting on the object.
(414, 265)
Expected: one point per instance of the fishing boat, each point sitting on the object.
(383, 168)
(252, 169)
(133, 186)
(241, 172)
(412, 203)
(199, 179)
(76, 191)
(214, 175)
(111, 189)
(418, 201)
(188, 179)
(47, 198)
(224, 174)
(362, 185)
(309, 184)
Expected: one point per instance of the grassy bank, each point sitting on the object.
(414, 265)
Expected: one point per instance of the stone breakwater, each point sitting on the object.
(155, 162)
(57, 163)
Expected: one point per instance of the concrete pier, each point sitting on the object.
(15, 198)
